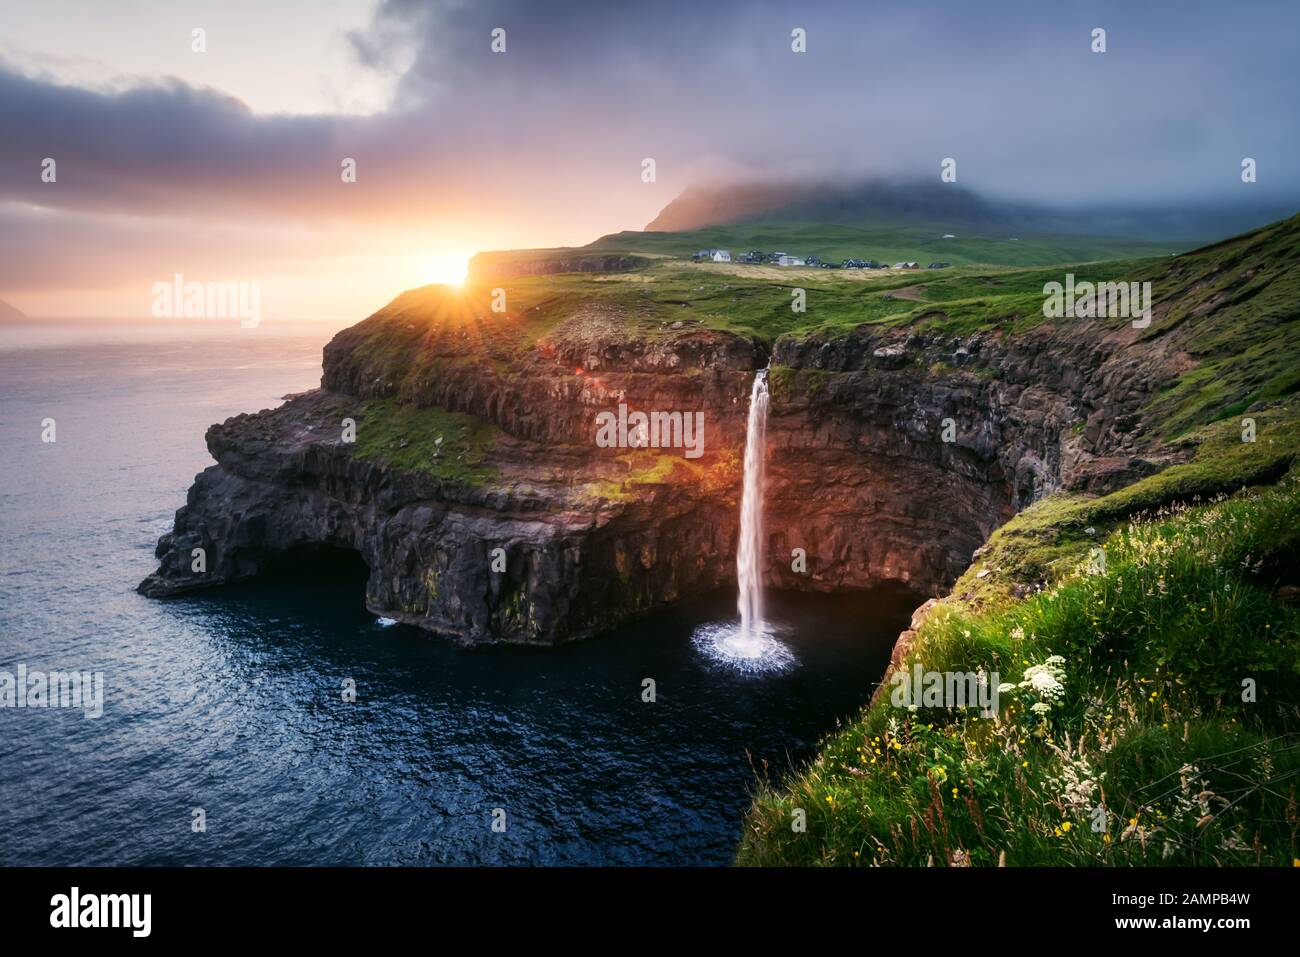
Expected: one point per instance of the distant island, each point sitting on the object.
(10, 313)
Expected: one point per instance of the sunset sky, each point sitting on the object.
(225, 164)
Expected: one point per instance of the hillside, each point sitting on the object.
(10, 313)
(889, 242)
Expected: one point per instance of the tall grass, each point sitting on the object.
(1175, 739)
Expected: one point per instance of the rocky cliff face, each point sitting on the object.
(894, 453)
(478, 497)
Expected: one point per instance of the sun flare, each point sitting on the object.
(449, 268)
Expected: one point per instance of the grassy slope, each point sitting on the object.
(749, 302)
(1157, 633)
(886, 242)
(407, 437)
(1238, 301)
(1235, 300)
(1151, 727)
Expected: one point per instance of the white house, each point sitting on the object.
(720, 255)
(785, 259)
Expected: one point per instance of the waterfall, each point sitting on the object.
(753, 647)
(749, 554)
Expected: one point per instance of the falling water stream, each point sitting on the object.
(749, 553)
(753, 644)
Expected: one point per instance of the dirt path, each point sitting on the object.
(907, 292)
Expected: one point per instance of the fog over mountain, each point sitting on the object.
(931, 202)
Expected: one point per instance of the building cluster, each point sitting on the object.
(788, 259)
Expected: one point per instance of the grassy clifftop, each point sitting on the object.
(1235, 293)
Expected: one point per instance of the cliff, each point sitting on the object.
(904, 429)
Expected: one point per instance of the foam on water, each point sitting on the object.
(724, 644)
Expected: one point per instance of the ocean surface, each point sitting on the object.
(231, 701)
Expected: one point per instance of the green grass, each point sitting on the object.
(891, 242)
(715, 472)
(1151, 726)
(407, 437)
(1053, 531)
(1233, 306)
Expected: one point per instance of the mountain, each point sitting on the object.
(890, 221)
(856, 204)
(877, 203)
(10, 313)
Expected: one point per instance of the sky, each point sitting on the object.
(224, 163)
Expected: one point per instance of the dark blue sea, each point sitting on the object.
(231, 701)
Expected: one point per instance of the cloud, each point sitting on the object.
(543, 144)
(586, 89)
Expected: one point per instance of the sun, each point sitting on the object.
(448, 268)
